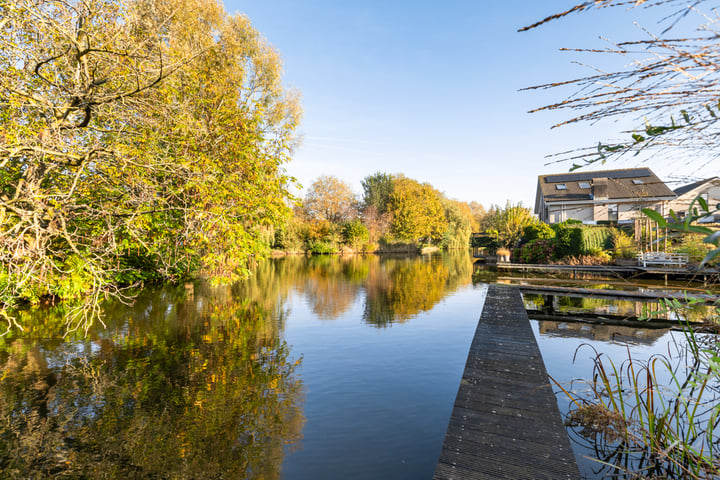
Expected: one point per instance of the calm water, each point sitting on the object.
(315, 368)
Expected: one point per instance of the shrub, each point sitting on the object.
(355, 232)
(540, 230)
(693, 245)
(538, 251)
(621, 244)
(319, 247)
(568, 240)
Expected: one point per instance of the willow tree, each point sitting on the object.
(670, 80)
(141, 140)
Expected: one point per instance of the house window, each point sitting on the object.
(613, 212)
(583, 185)
(560, 186)
(637, 181)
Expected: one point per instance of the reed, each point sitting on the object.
(657, 418)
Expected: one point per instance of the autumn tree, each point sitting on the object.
(330, 199)
(458, 224)
(417, 211)
(669, 78)
(142, 140)
(506, 224)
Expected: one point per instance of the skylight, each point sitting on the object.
(637, 181)
(583, 184)
(560, 186)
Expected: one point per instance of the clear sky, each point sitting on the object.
(431, 89)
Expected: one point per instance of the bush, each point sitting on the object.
(694, 247)
(355, 232)
(538, 251)
(538, 231)
(319, 247)
(568, 240)
(622, 245)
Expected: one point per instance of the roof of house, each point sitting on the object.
(621, 184)
(692, 186)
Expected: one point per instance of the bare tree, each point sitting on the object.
(671, 80)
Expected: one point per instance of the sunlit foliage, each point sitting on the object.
(141, 141)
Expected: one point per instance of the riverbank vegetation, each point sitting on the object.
(394, 214)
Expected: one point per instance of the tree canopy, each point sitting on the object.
(670, 79)
(140, 140)
(330, 199)
(417, 210)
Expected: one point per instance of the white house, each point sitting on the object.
(709, 189)
(608, 195)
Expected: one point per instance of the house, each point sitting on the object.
(608, 195)
(709, 189)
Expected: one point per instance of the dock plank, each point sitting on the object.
(505, 421)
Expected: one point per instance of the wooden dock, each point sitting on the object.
(505, 422)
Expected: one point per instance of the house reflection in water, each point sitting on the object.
(607, 333)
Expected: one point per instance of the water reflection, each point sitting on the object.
(174, 388)
(193, 381)
(603, 333)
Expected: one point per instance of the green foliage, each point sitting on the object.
(540, 250)
(508, 224)
(150, 147)
(594, 239)
(538, 231)
(694, 246)
(355, 233)
(622, 245)
(459, 225)
(568, 240)
(417, 211)
(377, 189)
(320, 247)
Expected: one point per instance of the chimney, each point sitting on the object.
(600, 188)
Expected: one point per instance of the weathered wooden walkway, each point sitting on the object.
(505, 422)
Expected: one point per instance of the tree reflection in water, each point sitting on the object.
(174, 388)
(191, 383)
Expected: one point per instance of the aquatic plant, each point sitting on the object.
(658, 418)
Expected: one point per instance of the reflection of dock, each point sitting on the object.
(606, 333)
(646, 295)
(505, 422)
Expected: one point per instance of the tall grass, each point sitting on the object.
(657, 418)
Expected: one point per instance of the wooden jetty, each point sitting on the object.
(505, 422)
(619, 271)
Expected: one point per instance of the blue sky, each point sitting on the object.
(432, 89)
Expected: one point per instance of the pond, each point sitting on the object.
(322, 367)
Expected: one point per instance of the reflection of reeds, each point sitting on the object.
(658, 417)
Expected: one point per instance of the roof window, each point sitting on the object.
(583, 185)
(637, 181)
(560, 186)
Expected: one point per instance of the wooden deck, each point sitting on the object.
(505, 422)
